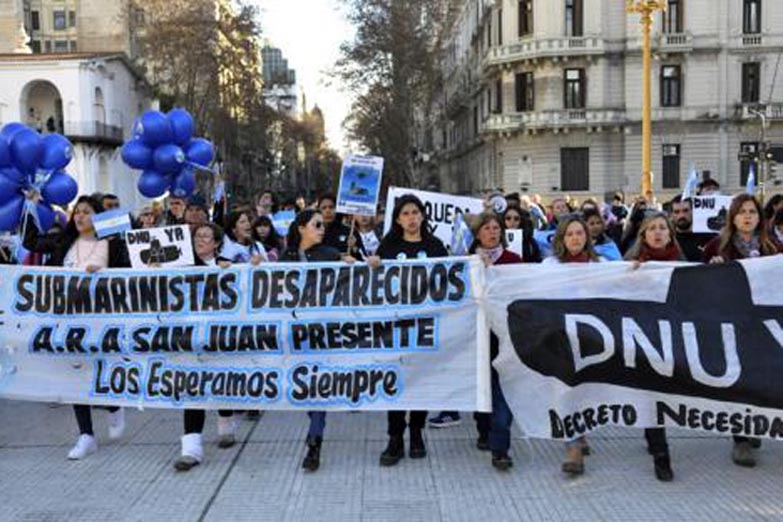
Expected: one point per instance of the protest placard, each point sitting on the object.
(360, 185)
(514, 241)
(441, 209)
(164, 246)
(709, 213)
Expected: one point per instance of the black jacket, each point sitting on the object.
(314, 254)
(336, 236)
(56, 246)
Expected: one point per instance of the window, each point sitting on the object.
(748, 152)
(671, 166)
(751, 82)
(574, 89)
(489, 31)
(525, 17)
(61, 46)
(671, 86)
(574, 169)
(574, 18)
(498, 96)
(35, 19)
(489, 101)
(35, 46)
(525, 92)
(475, 120)
(59, 20)
(73, 46)
(48, 46)
(500, 26)
(751, 16)
(71, 18)
(672, 17)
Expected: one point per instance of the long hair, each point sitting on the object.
(729, 230)
(71, 233)
(558, 242)
(481, 220)
(301, 220)
(273, 240)
(217, 234)
(231, 222)
(396, 230)
(635, 251)
(769, 208)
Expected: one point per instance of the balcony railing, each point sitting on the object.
(94, 131)
(675, 42)
(772, 111)
(556, 119)
(751, 40)
(544, 48)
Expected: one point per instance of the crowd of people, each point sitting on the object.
(589, 232)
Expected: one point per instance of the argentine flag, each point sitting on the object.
(750, 186)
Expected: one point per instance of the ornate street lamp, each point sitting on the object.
(646, 9)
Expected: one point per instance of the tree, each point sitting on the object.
(392, 67)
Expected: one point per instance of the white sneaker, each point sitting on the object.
(84, 446)
(192, 452)
(116, 424)
(226, 432)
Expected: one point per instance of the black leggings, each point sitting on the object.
(194, 419)
(397, 422)
(84, 417)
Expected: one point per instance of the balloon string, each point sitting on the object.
(200, 167)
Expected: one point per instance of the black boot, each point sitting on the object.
(417, 450)
(483, 441)
(501, 461)
(663, 467)
(312, 460)
(393, 452)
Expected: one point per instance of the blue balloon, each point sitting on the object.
(184, 184)
(45, 216)
(11, 213)
(200, 152)
(168, 158)
(153, 184)
(12, 128)
(57, 152)
(13, 175)
(136, 155)
(181, 125)
(9, 188)
(26, 150)
(5, 152)
(154, 129)
(61, 189)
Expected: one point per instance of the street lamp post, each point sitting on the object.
(646, 9)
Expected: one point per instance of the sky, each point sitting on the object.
(309, 32)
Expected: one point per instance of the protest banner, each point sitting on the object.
(441, 209)
(278, 336)
(360, 185)
(709, 213)
(111, 222)
(514, 240)
(165, 246)
(668, 344)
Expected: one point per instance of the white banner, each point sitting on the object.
(668, 344)
(166, 247)
(406, 335)
(709, 213)
(441, 209)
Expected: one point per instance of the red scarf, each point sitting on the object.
(669, 253)
(582, 257)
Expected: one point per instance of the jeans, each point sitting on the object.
(317, 424)
(500, 432)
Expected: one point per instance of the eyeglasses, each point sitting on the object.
(208, 237)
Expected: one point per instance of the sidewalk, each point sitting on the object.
(261, 479)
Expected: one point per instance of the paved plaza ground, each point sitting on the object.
(260, 478)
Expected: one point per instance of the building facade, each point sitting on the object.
(92, 99)
(545, 97)
(280, 91)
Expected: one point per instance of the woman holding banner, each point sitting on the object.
(744, 236)
(239, 245)
(78, 248)
(516, 218)
(656, 241)
(207, 239)
(572, 244)
(306, 245)
(264, 232)
(494, 428)
(409, 238)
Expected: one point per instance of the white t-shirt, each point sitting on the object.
(87, 252)
(370, 241)
(238, 253)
